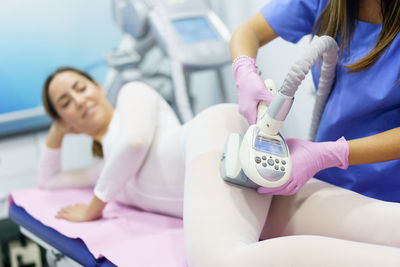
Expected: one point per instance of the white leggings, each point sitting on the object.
(322, 225)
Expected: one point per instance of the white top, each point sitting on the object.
(143, 159)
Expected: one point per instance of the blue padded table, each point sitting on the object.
(124, 236)
(74, 248)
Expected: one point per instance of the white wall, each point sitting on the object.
(274, 60)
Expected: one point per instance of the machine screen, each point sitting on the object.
(268, 146)
(194, 30)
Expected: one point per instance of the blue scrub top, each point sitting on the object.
(361, 104)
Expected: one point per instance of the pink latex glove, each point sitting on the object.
(251, 88)
(308, 158)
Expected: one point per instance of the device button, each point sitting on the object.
(264, 164)
(270, 175)
(270, 162)
(282, 168)
(283, 162)
(277, 160)
(264, 157)
(258, 159)
(276, 167)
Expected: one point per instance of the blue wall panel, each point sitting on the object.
(37, 36)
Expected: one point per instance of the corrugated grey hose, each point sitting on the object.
(325, 47)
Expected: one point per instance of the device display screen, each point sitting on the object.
(268, 145)
(194, 30)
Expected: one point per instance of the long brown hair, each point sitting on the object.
(340, 16)
(97, 148)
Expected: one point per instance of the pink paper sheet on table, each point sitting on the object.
(124, 235)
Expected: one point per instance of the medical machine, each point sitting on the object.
(261, 157)
(195, 39)
(188, 32)
(192, 32)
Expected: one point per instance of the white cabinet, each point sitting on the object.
(18, 155)
(18, 162)
(18, 166)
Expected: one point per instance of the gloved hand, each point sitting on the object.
(251, 88)
(308, 158)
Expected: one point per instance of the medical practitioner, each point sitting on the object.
(350, 216)
(364, 105)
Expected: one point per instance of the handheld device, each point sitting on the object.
(265, 158)
(261, 157)
(257, 154)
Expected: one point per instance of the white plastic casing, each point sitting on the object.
(263, 173)
(230, 162)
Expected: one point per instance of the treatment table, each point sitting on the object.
(124, 236)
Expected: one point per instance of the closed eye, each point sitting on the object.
(66, 103)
